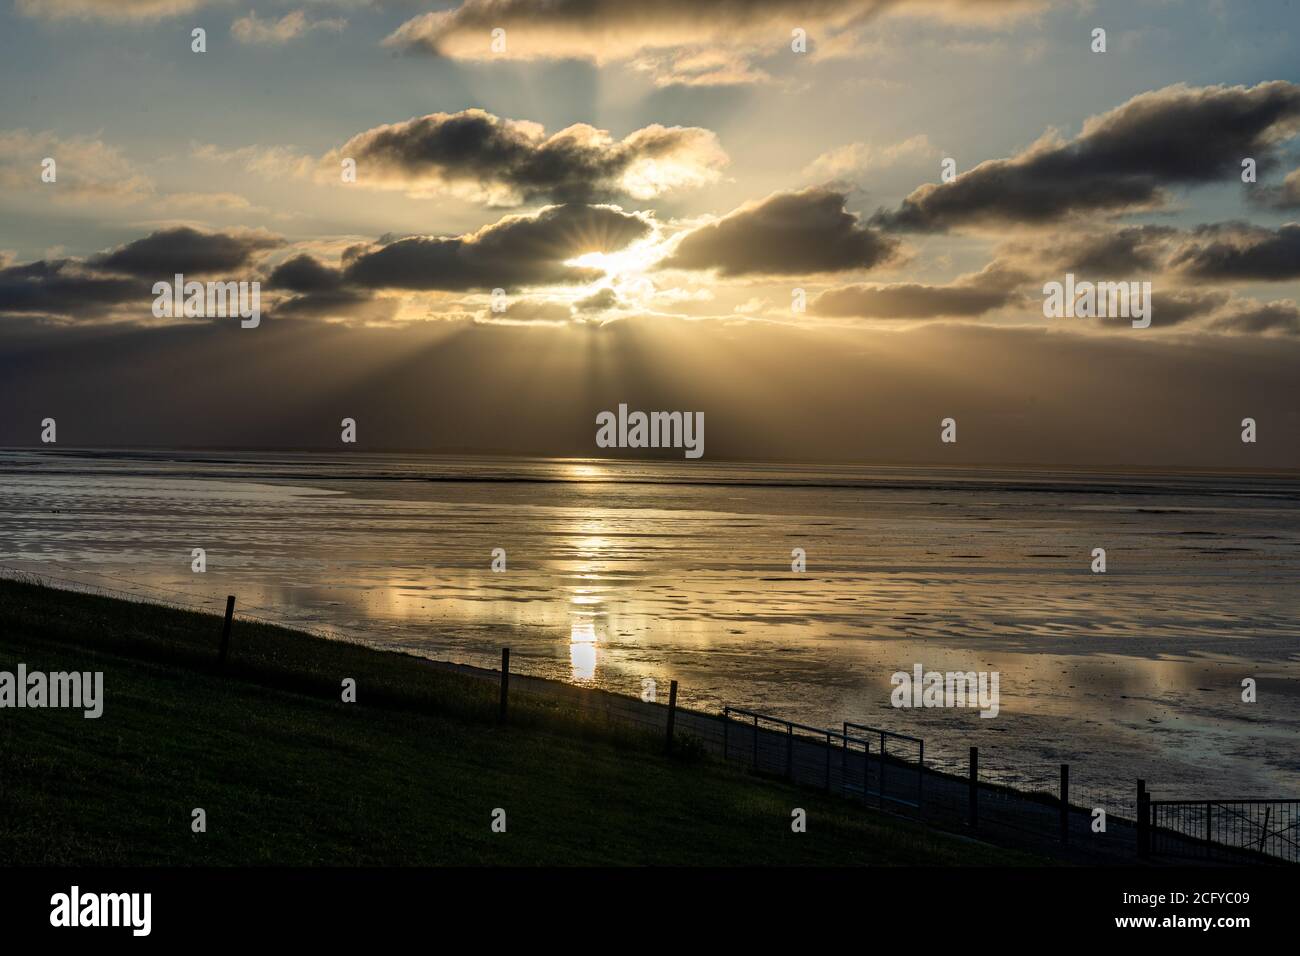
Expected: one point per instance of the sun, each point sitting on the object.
(635, 260)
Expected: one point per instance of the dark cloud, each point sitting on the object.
(516, 251)
(509, 162)
(793, 233)
(1261, 317)
(62, 287)
(1238, 251)
(182, 249)
(304, 273)
(339, 303)
(1289, 195)
(1120, 252)
(972, 295)
(599, 301)
(1121, 161)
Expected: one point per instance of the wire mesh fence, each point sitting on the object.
(1232, 831)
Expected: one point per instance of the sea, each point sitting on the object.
(794, 590)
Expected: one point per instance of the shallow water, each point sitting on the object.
(619, 572)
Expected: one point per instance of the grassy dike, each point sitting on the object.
(409, 775)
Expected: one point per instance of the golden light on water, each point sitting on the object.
(585, 600)
(582, 650)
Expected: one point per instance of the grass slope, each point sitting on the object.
(409, 775)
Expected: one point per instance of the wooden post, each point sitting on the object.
(883, 755)
(974, 814)
(866, 767)
(672, 713)
(789, 751)
(1143, 823)
(1065, 803)
(726, 722)
(505, 682)
(225, 630)
(920, 775)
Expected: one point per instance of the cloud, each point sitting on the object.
(211, 202)
(1178, 306)
(679, 40)
(970, 295)
(507, 162)
(63, 287)
(305, 273)
(1289, 195)
(858, 158)
(271, 162)
(97, 287)
(1239, 251)
(1122, 161)
(599, 301)
(789, 233)
(1251, 316)
(527, 250)
(86, 168)
(291, 26)
(186, 250)
(1101, 252)
(106, 9)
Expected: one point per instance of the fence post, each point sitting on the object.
(225, 630)
(505, 682)
(1208, 828)
(1065, 803)
(1143, 821)
(789, 751)
(672, 712)
(844, 757)
(756, 741)
(920, 775)
(726, 721)
(828, 761)
(882, 768)
(866, 767)
(974, 813)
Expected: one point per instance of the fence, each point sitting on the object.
(812, 756)
(901, 770)
(1230, 831)
(1046, 806)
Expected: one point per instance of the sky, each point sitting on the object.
(828, 226)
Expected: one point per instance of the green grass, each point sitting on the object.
(410, 775)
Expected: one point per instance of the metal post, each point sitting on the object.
(1065, 803)
(1208, 830)
(974, 814)
(505, 681)
(225, 630)
(672, 713)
